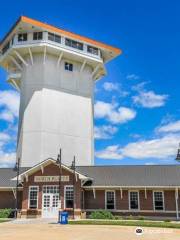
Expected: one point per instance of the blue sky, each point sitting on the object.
(137, 107)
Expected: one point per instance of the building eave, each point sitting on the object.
(23, 19)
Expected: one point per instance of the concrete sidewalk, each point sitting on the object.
(33, 230)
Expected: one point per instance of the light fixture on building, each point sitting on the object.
(178, 154)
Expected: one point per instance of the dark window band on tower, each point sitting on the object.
(92, 50)
(73, 44)
(53, 37)
(22, 37)
(37, 36)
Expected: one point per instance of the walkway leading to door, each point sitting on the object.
(35, 221)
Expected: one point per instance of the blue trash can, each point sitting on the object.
(63, 217)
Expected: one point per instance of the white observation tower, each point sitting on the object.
(55, 72)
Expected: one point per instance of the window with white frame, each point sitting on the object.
(54, 37)
(22, 37)
(92, 50)
(73, 44)
(69, 196)
(110, 200)
(37, 36)
(33, 197)
(158, 201)
(134, 200)
(68, 66)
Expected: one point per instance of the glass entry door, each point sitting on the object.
(50, 202)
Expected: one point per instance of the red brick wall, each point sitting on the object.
(122, 203)
(7, 199)
(50, 170)
(169, 200)
(146, 203)
(94, 203)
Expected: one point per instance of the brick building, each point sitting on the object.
(123, 190)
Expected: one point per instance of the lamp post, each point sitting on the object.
(58, 162)
(178, 154)
(73, 167)
(16, 168)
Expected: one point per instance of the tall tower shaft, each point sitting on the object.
(55, 72)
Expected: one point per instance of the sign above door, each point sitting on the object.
(51, 178)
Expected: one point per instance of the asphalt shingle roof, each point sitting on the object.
(5, 176)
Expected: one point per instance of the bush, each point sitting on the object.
(5, 213)
(167, 220)
(141, 218)
(102, 214)
(118, 218)
(130, 217)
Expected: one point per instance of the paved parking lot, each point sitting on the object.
(23, 230)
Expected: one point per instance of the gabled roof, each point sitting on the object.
(48, 27)
(45, 163)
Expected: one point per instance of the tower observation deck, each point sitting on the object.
(55, 72)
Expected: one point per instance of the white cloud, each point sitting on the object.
(149, 99)
(158, 148)
(7, 159)
(113, 113)
(4, 138)
(9, 110)
(170, 127)
(7, 116)
(111, 152)
(132, 77)
(109, 86)
(9, 102)
(104, 132)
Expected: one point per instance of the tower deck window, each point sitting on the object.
(22, 37)
(73, 44)
(37, 36)
(68, 66)
(54, 38)
(92, 50)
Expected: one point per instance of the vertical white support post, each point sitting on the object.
(94, 192)
(44, 60)
(177, 200)
(121, 191)
(145, 191)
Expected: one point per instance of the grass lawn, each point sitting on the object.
(138, 223)
(4, 220)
